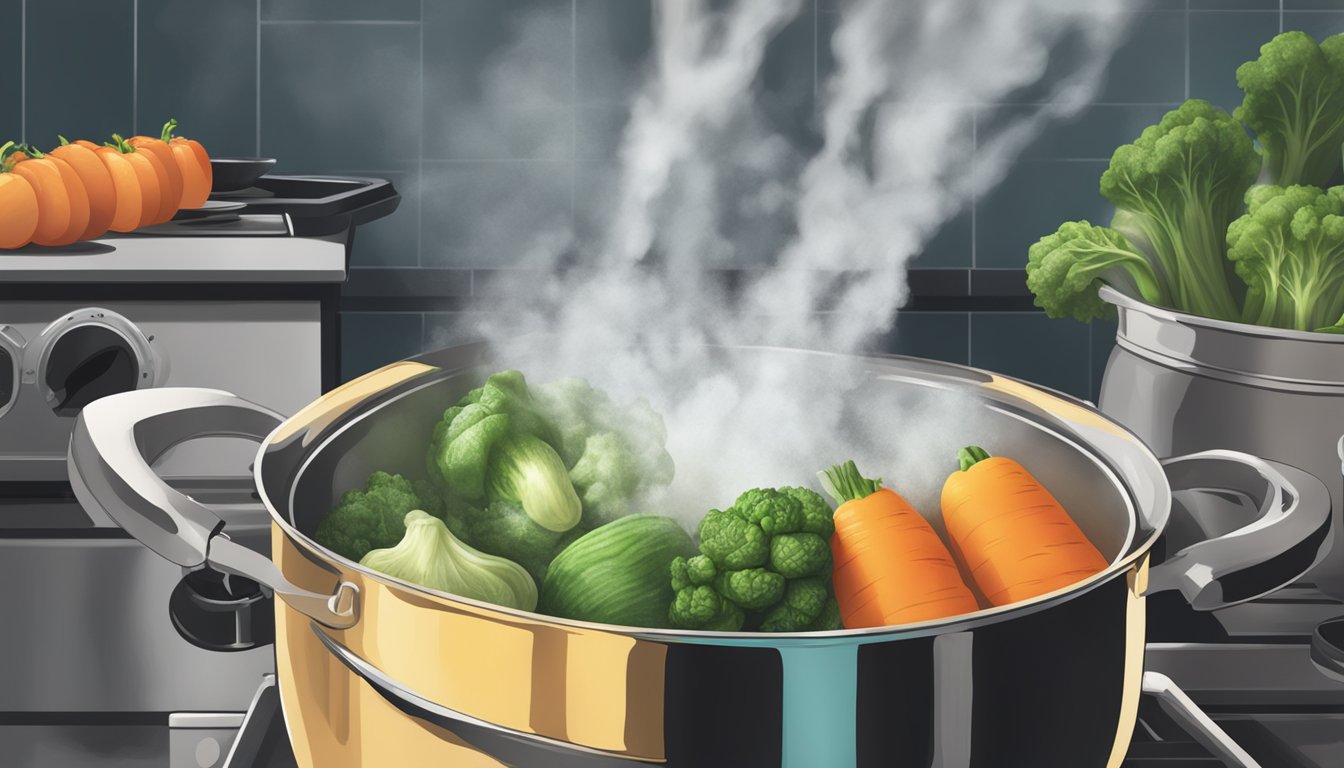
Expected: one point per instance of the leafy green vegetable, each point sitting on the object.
(1295, 104)
(617, 574)
(529, 472)
(1289, 249)
(1065, 270)
(1176, 188)
(760, 564)
(371, 518)
(505, 530)
(431, 556)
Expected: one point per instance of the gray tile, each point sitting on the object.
(338, 94)
(370, 340)
(446, 329)
(495, 214)
(1149, 67)
(1309, 5)
(599, 131)
(936, 335)
(79, 70)
(1221, 42)
(198, 64)
(11, 61)
(613, 39)
(789, 64)
(950, 246)
(1093, 133)
(499, 80)
(1031, 346)
(1035, 198)
(1236, 5)
(340, 10)
(1102, 333)
(1321, 25)
(392, 241)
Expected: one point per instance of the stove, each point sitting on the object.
(110, 655)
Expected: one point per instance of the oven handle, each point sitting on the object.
(1287, 538)
(115, 441)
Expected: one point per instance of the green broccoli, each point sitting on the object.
(1176, 188)
(615, 453)
(493, 445)
(1065, 270)
(504, 529)
(374, 518)
(1295, 104)
(770, 545)
(1289, 249)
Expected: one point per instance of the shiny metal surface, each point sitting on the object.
(1186, 384)
(1195, 721)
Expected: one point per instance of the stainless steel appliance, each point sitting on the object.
(105, 653)
(370, 666)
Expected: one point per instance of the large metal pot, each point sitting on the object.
(1184, 383)
(377, 672)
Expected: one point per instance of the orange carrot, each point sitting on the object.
(890, 565)
(1015, 539)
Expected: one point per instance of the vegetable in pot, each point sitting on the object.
(371, 518)
(617, 574)
(1295, 104)
(502, 528)
(750, 556)
(1010, 532)
(1289, 249)
(1065, 270)
(431, 556)
(890, 565)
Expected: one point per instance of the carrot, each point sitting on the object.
(126, 184)
(1015, 539)
(97, 183)
(207, 171)
(890, 565)
(197, 173)
(18, 211)
(149, 172)
(170, 180)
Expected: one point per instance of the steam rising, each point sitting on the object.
(906, 141)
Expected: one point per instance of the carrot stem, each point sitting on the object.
(844, 483)
(970, 456)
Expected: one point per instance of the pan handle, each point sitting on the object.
(117, 438)
(1284, 540)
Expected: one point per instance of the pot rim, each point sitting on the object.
(1127, 452)
(1123, 300)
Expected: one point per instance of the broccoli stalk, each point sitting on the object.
(764, 563)
(1065, 269)
(1176, 188)
(1289, 249)
(1295, 104)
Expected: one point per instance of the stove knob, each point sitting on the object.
(220, 612)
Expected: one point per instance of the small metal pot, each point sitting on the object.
(375, 671)
(1184, 383)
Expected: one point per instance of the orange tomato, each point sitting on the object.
(170, 180)
(53, 202)
(126, 185)
(97, 183)
(18, 211)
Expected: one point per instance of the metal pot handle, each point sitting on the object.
(1279, 546)
(117, 438)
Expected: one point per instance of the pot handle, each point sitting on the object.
(1281, 544)
(117, 438)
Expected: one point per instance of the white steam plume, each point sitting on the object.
(905, 147)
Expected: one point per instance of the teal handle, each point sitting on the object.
(820, 705)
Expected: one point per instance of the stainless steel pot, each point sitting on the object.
(375, 671)
(1184, 383)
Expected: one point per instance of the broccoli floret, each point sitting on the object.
(1295, 104)
(817, 516)
(1065, 270)
(828, 619)
(373, 518)
(607, 476)
(803, 603)
(1289, 249)
(1176, 188)
(505, 530)
(751, 556)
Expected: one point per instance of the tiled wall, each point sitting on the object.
(397, 88)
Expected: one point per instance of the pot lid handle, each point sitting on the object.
(117, 438)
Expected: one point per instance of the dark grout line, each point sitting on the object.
(338, 22)
(135, 67)
(258, 153)
(420, 161)
(23, 71)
